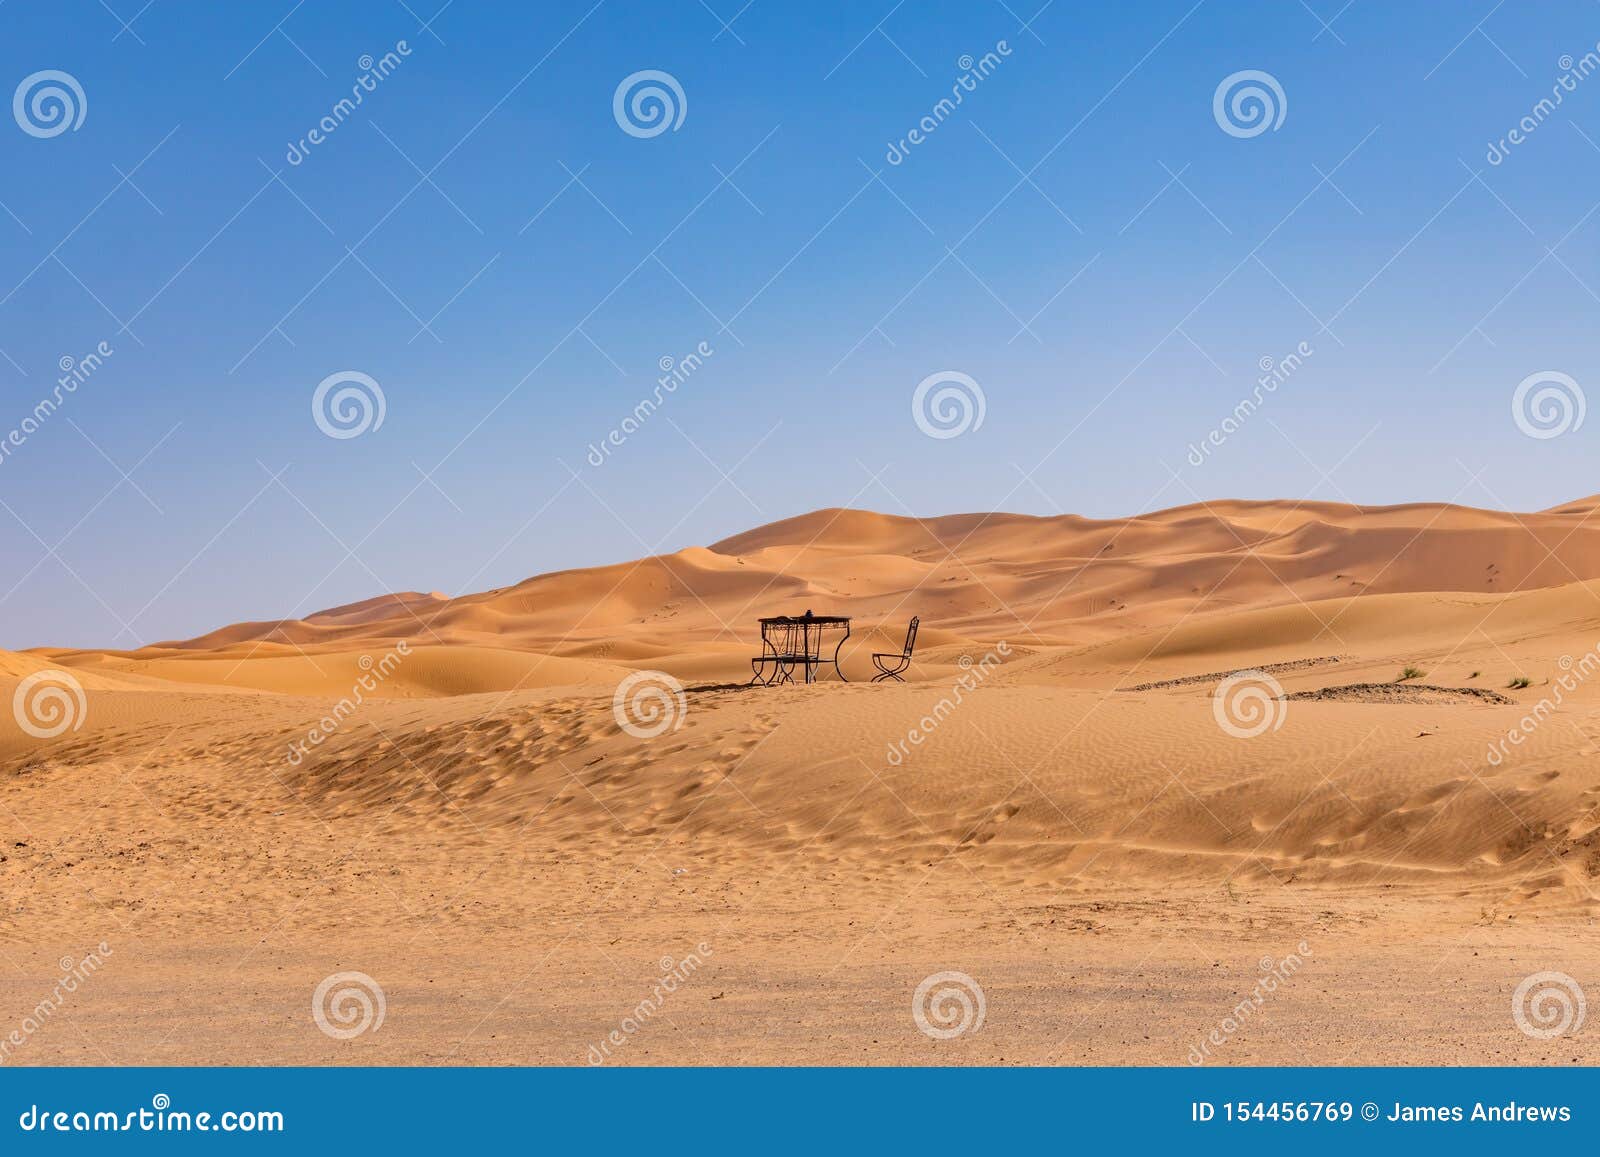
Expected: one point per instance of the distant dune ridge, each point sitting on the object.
(1238, 725)
(1049, 581)
(1121, 623)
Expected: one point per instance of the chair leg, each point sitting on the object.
(887, 673)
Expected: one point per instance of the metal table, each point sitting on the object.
(789, 641)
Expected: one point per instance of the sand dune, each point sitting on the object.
(1067, 761)
(1002, 575)
(1321, 596)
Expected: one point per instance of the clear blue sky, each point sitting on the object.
(1113, 307)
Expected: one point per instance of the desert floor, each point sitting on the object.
(1113, 867)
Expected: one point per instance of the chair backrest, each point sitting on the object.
(911, 635)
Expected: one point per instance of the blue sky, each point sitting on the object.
(1079, 237)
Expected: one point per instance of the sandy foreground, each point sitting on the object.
(1071, 830)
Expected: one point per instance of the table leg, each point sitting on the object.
(766, 649)
(836, 669)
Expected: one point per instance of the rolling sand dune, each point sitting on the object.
(1135, 757)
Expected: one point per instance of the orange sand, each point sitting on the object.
(1111, 866)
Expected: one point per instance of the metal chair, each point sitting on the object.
(882, 660)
